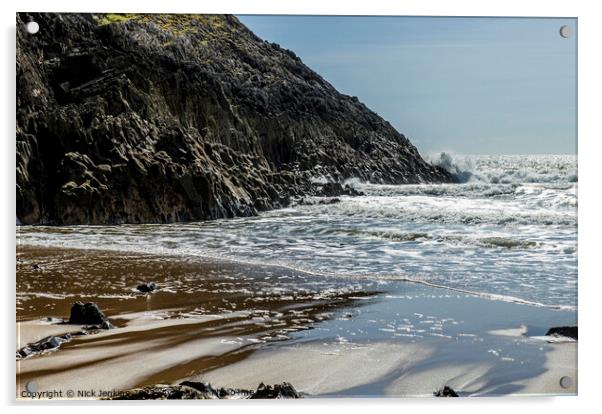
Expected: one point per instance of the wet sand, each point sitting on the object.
(415, 342)
(203, 315)
(237, 325)
(394, 370)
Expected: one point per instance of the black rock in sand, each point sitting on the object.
(146, 287)
(86, 314)
(49, 343)
(445, 392)
(190, 390)
(284, 390)
(566, 331)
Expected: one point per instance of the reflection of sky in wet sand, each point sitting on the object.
(425, 339)
(456, 327)
(222, 321)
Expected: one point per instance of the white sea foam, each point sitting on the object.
(507, 169)
(508, 233)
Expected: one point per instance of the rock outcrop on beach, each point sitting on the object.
(147, 287)
(47, 344)
(163, 118)
(189, 390)
(565, 331)
(86, 314)
(446, 392)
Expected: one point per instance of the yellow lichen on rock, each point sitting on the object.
(177, 24)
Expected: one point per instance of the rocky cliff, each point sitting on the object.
(161, 118)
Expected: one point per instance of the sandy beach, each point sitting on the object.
(237, 325)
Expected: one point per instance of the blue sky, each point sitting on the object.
(466, 85)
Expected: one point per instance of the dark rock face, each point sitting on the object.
(337, 189)
(321, 201)
(163, 118)
(87, 314)
(189, 390)
(567, 331)
(445, 392)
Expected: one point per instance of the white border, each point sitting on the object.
(590, 178)
(552, 8)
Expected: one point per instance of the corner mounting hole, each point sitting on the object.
(566, 31)
(32, 27)
(566, 382)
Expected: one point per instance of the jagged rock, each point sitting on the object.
(566, 331)
(49, 343)
(202, 387)
(86, 314)
(105, 325)
(337, 189)
(284, 390)
(164, 392)
(204, 391)
(162, 118)
(146, 287)
(445, 392)
(52, 343)
(209, 392)
(320, 201)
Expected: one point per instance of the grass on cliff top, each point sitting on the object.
(177, 24)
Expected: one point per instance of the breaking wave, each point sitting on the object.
(508, 169)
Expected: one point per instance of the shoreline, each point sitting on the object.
(206, 258)
(238, 325)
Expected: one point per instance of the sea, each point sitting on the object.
(506, 232)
